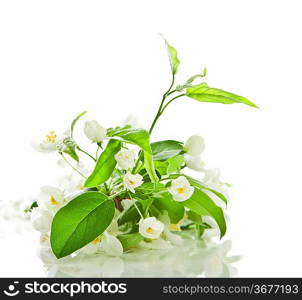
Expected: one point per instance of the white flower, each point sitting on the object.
(132, 181)
(194, 145)
(194, 162)
(131, 120)
(48, 144)
(91, 248)
(217, 263)
(47, 256)
(212, 178)
(181, 189)
(71, 183)
(94, 131)
(41, 219)
(50, 198)
(125, 159)
(44, 239)
(111, 245)
(151, 228)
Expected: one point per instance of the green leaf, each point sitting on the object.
(202, 186)
(163, 150)
(193, 216)
(161, 167)
(203, 93)
(131, 214)
(130, 240)
(203, 205)
(105, 165)
(164, 201)
(68, 146)
(75, 121)
(175, 163)
(174, 61)
(136, 136)
(81, 221)
(31, 207)
(171, 165)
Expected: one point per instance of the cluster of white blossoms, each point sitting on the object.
(152, 180)
(157, 232)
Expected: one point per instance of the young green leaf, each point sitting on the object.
(202, 186)
(204, 93)
(136, 136)
(174, 61)
(161, 167)
(175, 163)
(68, 146)
(75, 121)
(81, 221)
(130, 240)
(105, 165)
(203, 205)
(169, 166)
(163, 150)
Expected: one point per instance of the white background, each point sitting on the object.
(58, 58)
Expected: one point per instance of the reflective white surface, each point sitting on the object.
(194, 258)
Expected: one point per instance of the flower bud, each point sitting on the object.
(194, 145)
(94, 131)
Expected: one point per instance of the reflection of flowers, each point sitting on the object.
(154, 259)
(217, 263)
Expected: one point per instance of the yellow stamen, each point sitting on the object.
(181, 190)
(149, 230)
(44, 238)
(175, 227)
(53, 201)
(96, 241)
(51, 137)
